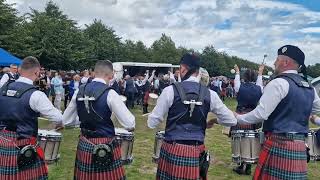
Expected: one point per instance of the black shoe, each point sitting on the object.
(248, 169)
(238, 170)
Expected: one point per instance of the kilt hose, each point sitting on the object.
(86, 170)
(178, 161)
(282, 159)
(9, 169)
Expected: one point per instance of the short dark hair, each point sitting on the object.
(30, 62)
(250, 75)
(103, 67)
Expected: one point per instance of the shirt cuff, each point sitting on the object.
(317, 121)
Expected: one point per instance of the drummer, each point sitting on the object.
(186, 124)
(94, 103)
(284, 108)
(21, 105)
(249, 93)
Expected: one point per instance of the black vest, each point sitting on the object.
(98, 117)
(292, 113)
(15, 112)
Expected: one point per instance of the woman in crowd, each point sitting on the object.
(58, 90)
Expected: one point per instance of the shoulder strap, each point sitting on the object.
(297, 79)
(180, 90)
(96, 94)
(202, 93)
(99, 92)
(16, 93)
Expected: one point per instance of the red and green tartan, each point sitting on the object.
(9, 169)
(178, 161)
(282, 159)
(85, 170)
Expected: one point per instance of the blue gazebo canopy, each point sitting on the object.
(6, 58)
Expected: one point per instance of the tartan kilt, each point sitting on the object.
(9, 152)
(86, 170)
(178, 161)
(282, 159)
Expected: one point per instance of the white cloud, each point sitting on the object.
(310, 30)
(258, 26)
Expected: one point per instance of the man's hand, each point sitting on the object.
(261, 69)
(313, 118)
(236, 68)
(211, 122)
(58, 127)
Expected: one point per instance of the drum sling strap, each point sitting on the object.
(102, 154)
(204, 158)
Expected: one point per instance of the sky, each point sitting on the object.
(244, 28)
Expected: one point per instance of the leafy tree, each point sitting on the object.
(103, 43)
(314, 70)
(164, 50)
(52, 37)
(8, 21)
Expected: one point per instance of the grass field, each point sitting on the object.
(142, 167)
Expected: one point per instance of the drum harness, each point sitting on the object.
(204, 159)
(28, 153)
(102, 154)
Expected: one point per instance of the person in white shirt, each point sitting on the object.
(85, 77)
(94, 103)
(284, 108)
(186, 106)
(10, 76)
(21, 105)
(58, 90)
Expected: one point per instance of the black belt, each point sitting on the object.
(185, 142)
(91, 134)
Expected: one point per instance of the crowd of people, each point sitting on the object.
(184, 104)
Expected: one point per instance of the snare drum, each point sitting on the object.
(50, 141)
(125, 138)
(246, 145)
(152, 100)
(314, 146)
(158, 140)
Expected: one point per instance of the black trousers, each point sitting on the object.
(130, 99)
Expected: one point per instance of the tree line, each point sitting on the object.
(59, 43)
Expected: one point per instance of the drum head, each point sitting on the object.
(153, 96)
(121, 131)
(43, 132)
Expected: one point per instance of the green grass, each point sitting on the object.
(142, 167)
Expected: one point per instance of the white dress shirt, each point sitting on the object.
(165, 101)
(40, 103)
(116, 105)
(274, 92)
(5, 78)
(237, 82)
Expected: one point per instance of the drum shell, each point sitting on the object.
(126, 141)
(152, 100)
(314, 146)
(158, 141)
(50, 145)
(246, 145)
